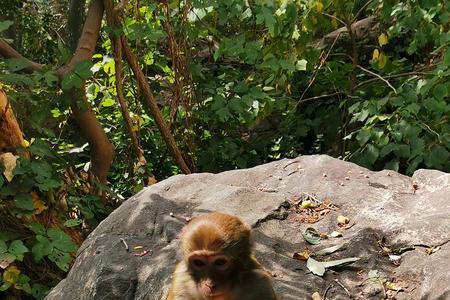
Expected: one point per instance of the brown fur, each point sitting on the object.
(217, 234)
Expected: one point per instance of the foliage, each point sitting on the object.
(249, 82)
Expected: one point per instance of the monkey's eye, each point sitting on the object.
(220, 262)
(198, 263)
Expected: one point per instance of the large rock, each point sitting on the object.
(388, 209)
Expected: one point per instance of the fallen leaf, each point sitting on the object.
(342, 220)
(432, 250)
(336, 234)
(304, 255)
(311, 236)
(307, 203)
(318, 267)
(394, 286)
(335, 263)
(316, 296)
(9, 161)
(373, 274)
(330, 250)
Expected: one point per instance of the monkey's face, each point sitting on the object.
(211, 273)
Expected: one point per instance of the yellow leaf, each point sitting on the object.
(316, 296)
(9, 161)
(11, 274)
(38, 204)
(382, 39)
(382, 60)
(334, 21)
(25, 143)
(342, 220)
(304, 255)
(375, 54)
(319, 6)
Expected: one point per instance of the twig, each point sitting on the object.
(321, 96)
(345, 289)
(390, 77)
(316, 71)
(334, 17)
(125, 244)
(379, 77)
(290, 163)
(384, 289)
(326, 291)
(361, 10)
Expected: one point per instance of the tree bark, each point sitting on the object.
(102, 151)
(10, 134)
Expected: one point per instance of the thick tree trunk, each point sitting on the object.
(10, 134)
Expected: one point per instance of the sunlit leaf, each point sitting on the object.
(382, 39)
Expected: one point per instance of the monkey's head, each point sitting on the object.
(216, 246)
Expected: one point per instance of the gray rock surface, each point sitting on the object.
(384, 208)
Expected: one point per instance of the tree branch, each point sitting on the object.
(9, 52)
(147, 92)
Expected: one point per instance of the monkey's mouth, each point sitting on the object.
(216, 296)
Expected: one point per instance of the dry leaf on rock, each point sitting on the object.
(9, 160)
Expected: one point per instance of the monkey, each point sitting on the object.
(218, 262)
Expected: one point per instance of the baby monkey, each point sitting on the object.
(218, 263)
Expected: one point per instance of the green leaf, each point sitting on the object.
(18, 79)
(71, 81)
(72, 223)
(17, 64)
(447, 57)
(42, 248)
(387, 149)
(269, 20)
(83, 69)
(61, 241)
(363, 136)
(50, 78)
(41, 168)
(301, 65)
(24, 201)
(37, 228)
(17, 247)
(61, 259)
(440, 91)
(3, 246)
(5, 286)
(371, 154)
(437, 157)
(287, 65)
(39, 291)
(402, 151)
(5, 25)
(107, 102)
(41, 148)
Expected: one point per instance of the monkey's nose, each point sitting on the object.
(210, 284)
